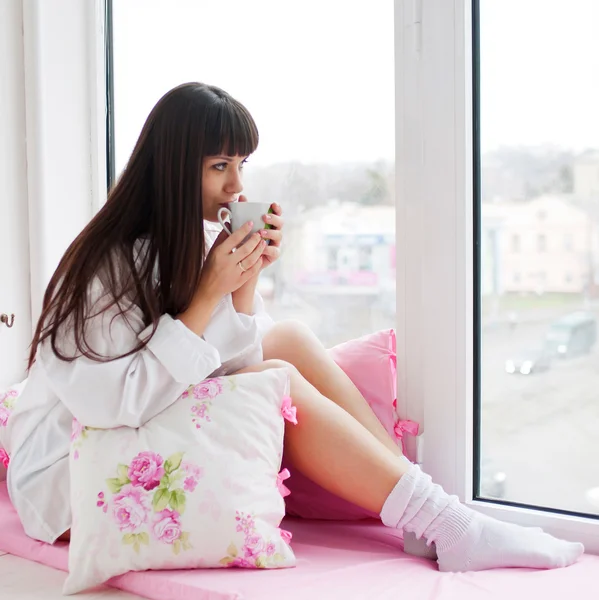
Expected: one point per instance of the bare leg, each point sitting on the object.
(337, 452)
(295, 343)
(333, 449)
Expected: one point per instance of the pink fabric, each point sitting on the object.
(403, 427)
(289, 411)
(371, 363)
(4, 458)
(337, 561)
(281, 477)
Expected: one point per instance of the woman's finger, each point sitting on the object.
(236, 238)
(274, 220)
(275, 235)
(276, 208)
(253, 271)
(251, 259)
(247, 248)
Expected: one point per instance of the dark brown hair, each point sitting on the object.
(159, 198)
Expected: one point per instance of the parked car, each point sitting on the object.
(527, 362)
(572, 335)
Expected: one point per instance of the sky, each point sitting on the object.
(318, 75)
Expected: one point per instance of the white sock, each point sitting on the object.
(466, 540)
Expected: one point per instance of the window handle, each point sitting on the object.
(8, 321)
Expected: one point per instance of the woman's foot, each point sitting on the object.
(466, 540)
(491, 544)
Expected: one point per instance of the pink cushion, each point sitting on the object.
(336, 561)
(370, 362)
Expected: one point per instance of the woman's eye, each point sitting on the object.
(223, 166)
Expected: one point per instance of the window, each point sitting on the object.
(332, 258)
(326, 155)
(365, 258)
(533, 132)
(568, 242)
(515, 243)
(463, 95)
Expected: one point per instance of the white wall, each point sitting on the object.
(52, 149)
(60, 66)
(14, 242)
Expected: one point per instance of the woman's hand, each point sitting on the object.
(273, 251)
(228, 267)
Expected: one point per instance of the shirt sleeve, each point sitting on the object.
(131, 390)
(237, 336)
(263, 320)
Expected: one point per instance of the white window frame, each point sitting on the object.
(65, 110)
(64, 44)
(435, 253)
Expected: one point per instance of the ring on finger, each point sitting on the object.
(243, 270)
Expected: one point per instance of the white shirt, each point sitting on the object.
(125, 392)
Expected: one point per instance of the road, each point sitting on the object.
(542, 430)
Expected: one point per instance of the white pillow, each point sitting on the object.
(196, 486)
(8, 400)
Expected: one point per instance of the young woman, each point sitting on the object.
(148, 299)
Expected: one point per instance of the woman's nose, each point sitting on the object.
(234, 184)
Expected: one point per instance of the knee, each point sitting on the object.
(293, 332)
(275, 363)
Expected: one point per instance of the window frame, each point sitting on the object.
(65, 116)
(438, 270)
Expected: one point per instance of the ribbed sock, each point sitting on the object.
(466, 540)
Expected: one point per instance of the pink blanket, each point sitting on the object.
(336, 561)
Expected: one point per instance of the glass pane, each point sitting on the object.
(318, 77)
(540, 252)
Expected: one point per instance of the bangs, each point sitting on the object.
(230, 130)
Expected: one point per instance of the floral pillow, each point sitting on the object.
(197, 486)
(8, 400)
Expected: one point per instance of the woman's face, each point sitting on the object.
(221, 183)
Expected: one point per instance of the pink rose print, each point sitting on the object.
(270, 549)
(101, 503)
(245, 523)
(166, 527)
(256, 551)
(130, 508)
(4, 458)
(208, 389)
(193, 475)
(253, 547)
(76, 430)
(146, 470)
(241, 563)
(4, 414)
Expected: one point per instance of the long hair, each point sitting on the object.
(158, 198)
